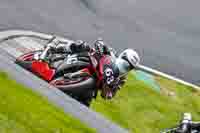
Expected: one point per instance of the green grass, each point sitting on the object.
(137, 107)
(140, 109)
(22, 111)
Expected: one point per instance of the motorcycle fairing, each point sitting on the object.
(108, 75)
(43, 70)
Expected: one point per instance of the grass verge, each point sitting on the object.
(140, 109)
(23, 111)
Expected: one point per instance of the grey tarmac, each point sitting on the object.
(166, 33)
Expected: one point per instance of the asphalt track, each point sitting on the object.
(166, 33)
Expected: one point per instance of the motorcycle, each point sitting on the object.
(186, 126)
(79, 75)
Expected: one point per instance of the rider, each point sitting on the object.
(126, 61)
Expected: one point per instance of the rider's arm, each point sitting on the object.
(72, 48)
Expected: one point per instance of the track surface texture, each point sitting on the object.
(166, 33)
(12, 48)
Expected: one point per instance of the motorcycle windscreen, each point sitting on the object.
(43, 70)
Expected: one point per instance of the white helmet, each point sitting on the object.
(127, 60)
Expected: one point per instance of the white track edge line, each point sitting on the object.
(156, 72)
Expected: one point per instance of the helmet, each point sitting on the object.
(131, 57)
(127, 60)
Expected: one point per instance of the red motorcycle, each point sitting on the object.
(78, 74)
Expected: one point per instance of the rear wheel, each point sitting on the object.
(81, 89)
